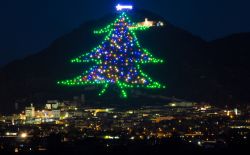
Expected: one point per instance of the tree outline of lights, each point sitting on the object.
(118, 59)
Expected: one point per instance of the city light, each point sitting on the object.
(23, 135)
(10, 133)
(132, 138)
(111, 137)
(16, 150)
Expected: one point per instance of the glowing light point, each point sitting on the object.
(23, 135)
(124, 7)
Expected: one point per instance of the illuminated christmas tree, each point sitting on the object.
(118, 59)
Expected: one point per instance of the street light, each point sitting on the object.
(23, 135)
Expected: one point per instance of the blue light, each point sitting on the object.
(120, 7)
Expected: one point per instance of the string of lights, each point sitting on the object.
(117, 59)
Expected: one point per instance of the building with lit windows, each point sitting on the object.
(30, 112)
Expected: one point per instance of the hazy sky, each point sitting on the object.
(27, 26)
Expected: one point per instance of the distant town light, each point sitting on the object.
(16, 150)
(111, 137)
(173, 105)
(10, 133)
(120, 7)
(199, 143)
(24, 135)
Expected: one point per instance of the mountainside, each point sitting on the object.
(196, 70)
(229, 59)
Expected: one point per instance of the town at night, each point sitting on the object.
(70, 124)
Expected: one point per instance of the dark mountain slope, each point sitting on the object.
(229, 59)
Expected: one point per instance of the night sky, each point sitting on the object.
(27, 26)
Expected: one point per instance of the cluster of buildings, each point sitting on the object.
(148, 23)
(200, 124)
(56, 112)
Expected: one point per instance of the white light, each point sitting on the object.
(16, 150)
(10, 134)
(199, 143)
(23, 135)
(124, 7)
